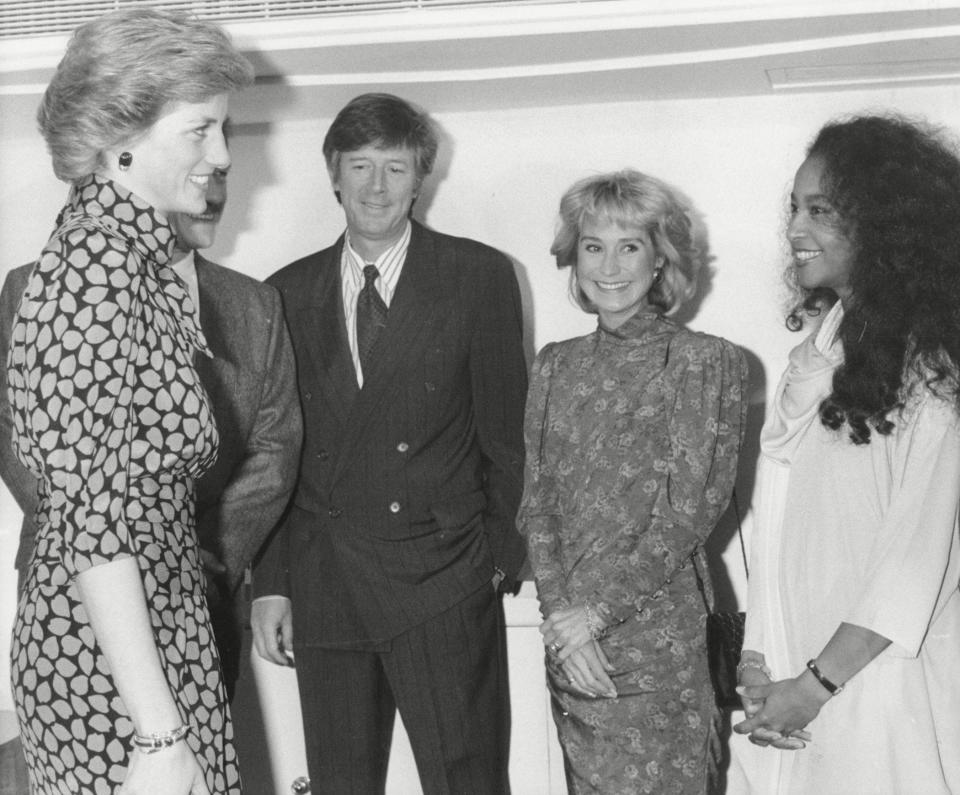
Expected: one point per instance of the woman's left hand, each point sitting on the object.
(565, 631)
(588, 671)
(788, 706)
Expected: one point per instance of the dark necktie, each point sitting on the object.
(371, 315)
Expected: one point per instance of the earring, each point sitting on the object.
(125, 160)
(657, 275)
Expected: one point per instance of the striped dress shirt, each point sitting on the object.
(390, 264)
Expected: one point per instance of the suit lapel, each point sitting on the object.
(326, 338)
(211, 321)
(414, 312)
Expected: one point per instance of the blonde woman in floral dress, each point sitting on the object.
(632, 436)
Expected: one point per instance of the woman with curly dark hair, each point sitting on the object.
(848, 675)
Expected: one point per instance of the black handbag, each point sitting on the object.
(724, 635)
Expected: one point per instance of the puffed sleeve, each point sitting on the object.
(74, 345)
(906, 579)
(539, 517)
(706, 414)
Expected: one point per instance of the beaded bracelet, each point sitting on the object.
(830, 687)
(152, 743)
(744, 664)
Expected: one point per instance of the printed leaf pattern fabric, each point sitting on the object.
(110, 416)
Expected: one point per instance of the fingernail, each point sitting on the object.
(739, 690)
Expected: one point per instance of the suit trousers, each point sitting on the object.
(448, 679)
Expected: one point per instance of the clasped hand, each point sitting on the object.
(777, 713)
(567, 637)
(170, 771)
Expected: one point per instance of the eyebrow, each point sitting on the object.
(357, 156)
(629, 237)
(812, 197)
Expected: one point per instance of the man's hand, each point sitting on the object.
(271, 620)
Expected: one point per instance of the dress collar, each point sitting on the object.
(112, 206)
(100, 202)
(806, 382)
(642, 324)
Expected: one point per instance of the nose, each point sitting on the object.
(218, 155)
(796, 227)
(378, 179)
(609, 264)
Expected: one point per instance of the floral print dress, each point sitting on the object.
(632, 440)
(110, 416)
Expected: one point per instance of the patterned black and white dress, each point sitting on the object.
(110, 415)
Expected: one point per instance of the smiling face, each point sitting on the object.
(616, 267)
(199, 230)
(377, 188)
(823, 254)
(174, 160)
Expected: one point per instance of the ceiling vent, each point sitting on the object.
(23, 18)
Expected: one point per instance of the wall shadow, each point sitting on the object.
(725, 534)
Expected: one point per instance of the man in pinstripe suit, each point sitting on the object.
(383, 581)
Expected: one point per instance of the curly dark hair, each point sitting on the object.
(895, 183)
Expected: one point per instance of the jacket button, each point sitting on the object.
(394, 507)
(403, 447)
(333, 513)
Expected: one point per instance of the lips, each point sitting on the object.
(611, 286)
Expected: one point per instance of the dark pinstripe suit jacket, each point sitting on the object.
(409, 487)
(251, 384)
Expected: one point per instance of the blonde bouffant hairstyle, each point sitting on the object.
(631, 200)
(121, 72)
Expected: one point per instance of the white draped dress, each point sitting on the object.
(868, 535)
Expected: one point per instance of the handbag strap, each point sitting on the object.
(743, 554)
(743, 547)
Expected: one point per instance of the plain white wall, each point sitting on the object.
(499, 179)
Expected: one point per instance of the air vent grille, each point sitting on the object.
(24, 18)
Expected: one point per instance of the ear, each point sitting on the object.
(109, 162)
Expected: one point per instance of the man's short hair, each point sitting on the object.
(383, 121)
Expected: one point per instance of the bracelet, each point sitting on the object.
(594, 624)
(152, 743)
(830, 687)
(744, 664)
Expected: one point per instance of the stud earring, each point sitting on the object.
(125, 160)
(657, 275)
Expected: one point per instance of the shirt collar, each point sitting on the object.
(385, 263)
